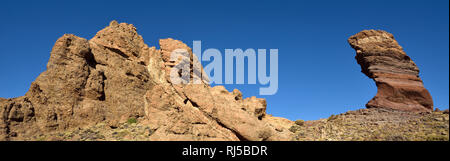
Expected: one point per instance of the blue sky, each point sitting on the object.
(318, 75)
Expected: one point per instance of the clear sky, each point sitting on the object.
(318, 75)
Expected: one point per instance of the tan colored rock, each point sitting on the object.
(256, 106)
(86, 83)
(115, 76)
(156, 67)
(395, 74)
(17, 117)
(120, 52)
(280, 124)
(122, 39)
(196, 72)
(175, 119)
(229, 114)
(222, 106)
(56, 94)
(237, 94)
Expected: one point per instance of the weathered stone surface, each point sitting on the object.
(122, 39)
(257, 106)
(186, 59)
(115, 76)
(280, 124)
(17, 116)
(122, 58)
(217, 104)
(395, 74)
(58, 92)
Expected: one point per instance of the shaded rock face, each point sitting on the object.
(395, 74)
(116, 76)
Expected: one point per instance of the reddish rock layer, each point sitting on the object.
(395, 74)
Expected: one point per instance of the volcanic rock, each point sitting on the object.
(395, 74)
(115, 77)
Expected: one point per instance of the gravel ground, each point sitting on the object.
(359, 125)
(376, 125)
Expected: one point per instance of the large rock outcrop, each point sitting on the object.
(116, 76)
(395, 74)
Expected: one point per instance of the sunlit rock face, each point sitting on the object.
(116, 76)
(395, 74)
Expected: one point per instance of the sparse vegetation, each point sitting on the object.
(101, 132)
(332, 117)
(132, 120)
(360, 125)
(377, 125)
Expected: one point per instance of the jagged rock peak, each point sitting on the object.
(115, 76)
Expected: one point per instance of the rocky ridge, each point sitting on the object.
(116, 87)
(115, 77)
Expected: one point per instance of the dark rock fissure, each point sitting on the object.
(90, 59)
(102, 94)
(118, 52)
(192, 102)
(239, 136)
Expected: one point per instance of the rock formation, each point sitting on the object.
(116, 76)
(395, 74)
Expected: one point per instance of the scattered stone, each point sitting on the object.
(300, 122)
